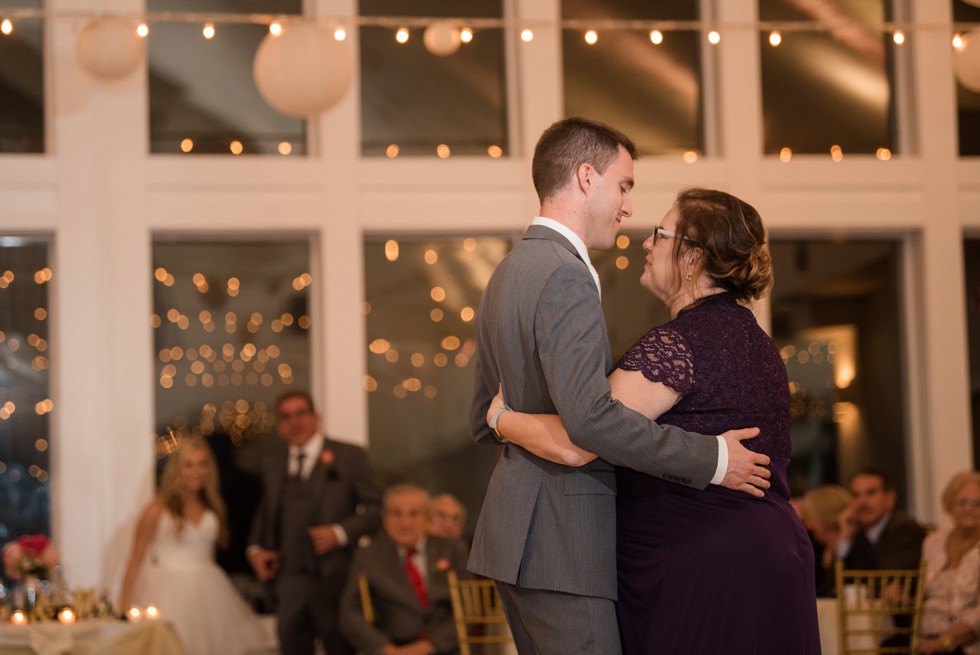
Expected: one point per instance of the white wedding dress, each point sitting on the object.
(194, 594)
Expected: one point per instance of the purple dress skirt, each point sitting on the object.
(715, 572)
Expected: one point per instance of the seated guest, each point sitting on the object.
(820, 510)
(873, 534)
(951, 609)
(448, 517)
(406, 572)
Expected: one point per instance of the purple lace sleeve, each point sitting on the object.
(662, 356)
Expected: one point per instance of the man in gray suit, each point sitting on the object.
(319, 497)
(413, 618)
(546, 532)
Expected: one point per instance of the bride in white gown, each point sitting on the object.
(172, 562)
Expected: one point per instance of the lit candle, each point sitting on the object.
(18, 618)
(135, 615)
(152, 613)
(66, 616)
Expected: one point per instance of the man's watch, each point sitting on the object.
(947, 643)
(493, 422)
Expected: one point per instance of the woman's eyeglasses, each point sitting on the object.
(963, 502)
(659, 232)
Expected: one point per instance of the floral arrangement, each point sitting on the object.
(30, 555)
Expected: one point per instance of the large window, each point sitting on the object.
(967, 100)
(971, 256)
(828, 89)
(414, 102)
(650, 91)
(25, 484)
(232, 324)
(203, 99)
(21, 82)
(421, 296)
(836, 317)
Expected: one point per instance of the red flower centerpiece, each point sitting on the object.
(30, 555)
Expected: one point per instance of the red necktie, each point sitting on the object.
(416, 579)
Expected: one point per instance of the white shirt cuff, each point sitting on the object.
(341, 535)
(722, 467)
(842, 548)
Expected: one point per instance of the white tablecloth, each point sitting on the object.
(90, 638)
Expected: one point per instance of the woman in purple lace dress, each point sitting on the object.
(704, 571)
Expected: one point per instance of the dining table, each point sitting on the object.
(90, 637)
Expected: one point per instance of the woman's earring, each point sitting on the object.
(688, 276)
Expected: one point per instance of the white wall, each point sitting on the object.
(103, 198)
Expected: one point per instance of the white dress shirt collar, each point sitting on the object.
(311, 451)
(874, 532)
(576, 241)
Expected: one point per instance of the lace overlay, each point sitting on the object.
(726, 369)
(662, 356)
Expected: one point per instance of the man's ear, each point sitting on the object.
(585, 176)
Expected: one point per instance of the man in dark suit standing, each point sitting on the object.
(319, 497)
(546, 533)
(873, 534)
(406, 573)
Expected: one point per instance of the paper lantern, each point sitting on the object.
(966, 61)
(109, 48)
(441, 38)
(303, 71)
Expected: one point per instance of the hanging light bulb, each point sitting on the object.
(402, 35)
(591, 37)
(208, 31)
(898, 37)
(6, 26)
(656, 37)
(775, 38)
(340, 34)
(527, 35)
(466, 35)
(714, 38)
(275, 28)
(142, 30)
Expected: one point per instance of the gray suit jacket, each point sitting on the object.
(345, 493)
(541, 333)
(400, 617)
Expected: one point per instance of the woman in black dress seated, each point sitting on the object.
(711, 570)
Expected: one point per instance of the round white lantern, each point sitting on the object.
(109, 48)
(966, 61)
(303, 71)
(441, 38)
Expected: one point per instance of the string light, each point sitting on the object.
(340, 34)
(208, 31)
(466, 35)
(785, 154)
(898, 37)
(275, 28)
(142, 30)
(714, 38)
(6, 26)
(527, 35)
(402, 35)
(775, 38)
(958, 41)
(591, 37)
(656, 37)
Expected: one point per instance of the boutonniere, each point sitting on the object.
(326, 463)
(443, 565)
